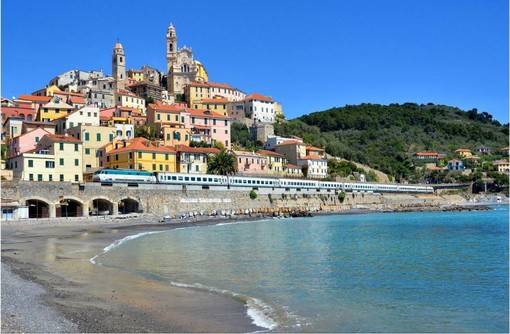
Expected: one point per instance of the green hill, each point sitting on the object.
(386, 137)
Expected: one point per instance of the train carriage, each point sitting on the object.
(123, 176)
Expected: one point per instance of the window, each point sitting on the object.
(76, 162)
(76, 147)
(192, 120)
(30, 177)
(30, 163)
(87, 136)
(116, 157)
(166, 156)
(153, 155)
(139, 155)
(36, 139)
(196, 168)
(98, 136)
(213, 122)
(177, 118)
(87, 151)
(76, 177)
(161, 167)
(110, 136)
(158, 117)
(153, 166)
(61, 177)
(61, 162)
(39, 177)
(50, 164)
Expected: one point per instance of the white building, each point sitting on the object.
(257, 107)
(317, 166)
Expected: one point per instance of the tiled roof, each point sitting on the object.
(293, 166)
(204, 113)
(62, 138)
(463, 150)
(164, 107)
(431, 154)
(140, 144)
(312, 157)
(454, 160)
(16, 111)
(265, 152)
(59, 92)
(290, 142)
(505, 149)
(77, 99)
(501, 162)
(256, 96)
(185, 148)
(314, 148)
(35, 98)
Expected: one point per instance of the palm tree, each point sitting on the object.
(222, 163)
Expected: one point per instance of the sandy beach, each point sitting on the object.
(73, 295)
(50, 285)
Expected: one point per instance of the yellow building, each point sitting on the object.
(55, 108)
(55, 158)
(170, 123)
(46, 91)
(193, 160)
(207, 90)
(275, 162)
(217, 104)
(293, 150)
(125, 98)
(93, 137)
(503, 166)
(135, 75)
(464, 152)
(141, 154)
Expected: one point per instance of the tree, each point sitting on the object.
(223, 163)
(253, 194)
(147, 132)
(304, 170)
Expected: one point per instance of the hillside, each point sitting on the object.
(386, 137)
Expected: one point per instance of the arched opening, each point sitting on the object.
(128, 205)
(101, 207)
(37, 209)
(69, 208)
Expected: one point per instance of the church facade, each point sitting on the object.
(182, 69)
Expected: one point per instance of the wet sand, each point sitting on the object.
(56, 255)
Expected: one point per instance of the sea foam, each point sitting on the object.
(257, 310)
(119, 242)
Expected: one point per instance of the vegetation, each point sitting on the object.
(222, 163)
(386, 137)
(304, 170)
(253, 194)
(341, 196)
(241, 137)
(147, 132)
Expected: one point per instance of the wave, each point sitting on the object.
(260, 312)
(119, 242)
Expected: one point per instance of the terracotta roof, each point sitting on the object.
(222, 100)
(164, 107)
(265, 152)
(434, 168)
(290, 142)
(35, 98)
(431, 154)
(185, 148)
(312, 157)
(505, 149)
(126, 92)
(77, 99)
(463, 150)
(501, 162)
(62, 138)
(256, 96)
(293, 166)
(454, 160)
(205, 113)
(140, 144)
(204, 127)
(15, 111)
(314, 148)
(59, 92)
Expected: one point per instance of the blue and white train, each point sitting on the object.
(109, 176)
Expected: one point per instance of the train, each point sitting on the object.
(130, 176)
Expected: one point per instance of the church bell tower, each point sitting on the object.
(119, 66)
(171, 47)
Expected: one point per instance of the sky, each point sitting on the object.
(307, 55)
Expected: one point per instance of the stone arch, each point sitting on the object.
(38, 207)
(129, 205)
(69, 206)
(101, 205)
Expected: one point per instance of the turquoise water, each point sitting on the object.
(405, 272)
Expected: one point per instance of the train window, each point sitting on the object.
(258, 182)
(199, 179)
(186, 178)
(215, 180)
(180, 178)
(193, 179)
(210, 179)
(244, 181)
(174, 178)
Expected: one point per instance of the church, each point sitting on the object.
(182, 69)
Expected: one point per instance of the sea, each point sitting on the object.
(380, 272)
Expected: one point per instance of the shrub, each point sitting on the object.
(253, 194)
(341, 196)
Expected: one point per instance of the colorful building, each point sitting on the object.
(250, 163)
(293, 150)
(193, 160)
(55, 158)
(276, 162)
(463, 152)
(142, 154)
(455, 164)
(502, 166)
(317, 166)
(55, 108)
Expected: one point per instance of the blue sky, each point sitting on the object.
(308, 55)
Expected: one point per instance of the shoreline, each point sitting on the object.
(55, 254)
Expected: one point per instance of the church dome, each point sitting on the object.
(118, 45)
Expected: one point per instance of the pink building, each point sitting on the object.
(209, 126)
(26, 142)
(250, 163)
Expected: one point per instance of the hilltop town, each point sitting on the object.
(171, 120)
